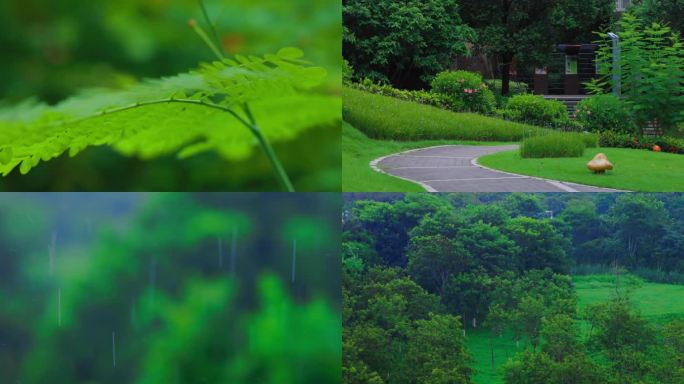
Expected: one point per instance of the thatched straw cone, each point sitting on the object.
(599, 164)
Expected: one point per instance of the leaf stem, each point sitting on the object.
(206, 39)
(270, 153)
(277, 166)
(212, 29)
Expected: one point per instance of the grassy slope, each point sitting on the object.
(388, 118)
(358, 151)
(635, 170)
(657, 302)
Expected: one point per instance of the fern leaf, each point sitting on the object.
(186, 114)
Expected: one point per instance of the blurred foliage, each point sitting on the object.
(169, 288)
(53, 49)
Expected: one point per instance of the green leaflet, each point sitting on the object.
(185, 114)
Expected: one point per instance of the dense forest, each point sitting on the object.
(169, 288)
(424, 275)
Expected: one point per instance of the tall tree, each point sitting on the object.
(541, 245)
(433, 260)
(437, 353)
(524, 31)
(670, 12)
(490, 249)
(639, 221)
(403, 42)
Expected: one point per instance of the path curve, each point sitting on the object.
(454, 168)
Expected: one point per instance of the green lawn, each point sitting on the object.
(358, 151)
(387, 118)
(635, 170)
(658, 303)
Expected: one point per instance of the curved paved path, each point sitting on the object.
(454, 168)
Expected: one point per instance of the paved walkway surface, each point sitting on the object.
(454, 168)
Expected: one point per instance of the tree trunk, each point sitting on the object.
(506, 73)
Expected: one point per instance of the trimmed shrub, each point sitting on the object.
(553, 145)
(623, 140)
(532, 109)
(421, 97)
(603, 113)
(590, 140)
(466, 90)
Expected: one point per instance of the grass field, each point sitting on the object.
(635, 170)
(504, 348)
(358, 151)
(658, 303)
(387, 118)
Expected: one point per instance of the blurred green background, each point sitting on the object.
(169, 288)
(52, 49)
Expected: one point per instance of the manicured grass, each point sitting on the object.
(556, 145)
(635, 170)
(658, 303)
(358, 151)
(387, 118)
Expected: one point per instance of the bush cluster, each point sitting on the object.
(603, 113)
(557, 145)
(466, 90)
(516, 88)
(624, 140)
(420, 97)
(533, 109)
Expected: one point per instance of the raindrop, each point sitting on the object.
(134, 314)
(294, 259)
(220, 252)
(59, 307)
(233, 251)
(152, 279)
(113, 351)
(51, 252)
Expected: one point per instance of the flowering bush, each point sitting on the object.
(466, 90)
(603, 113)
